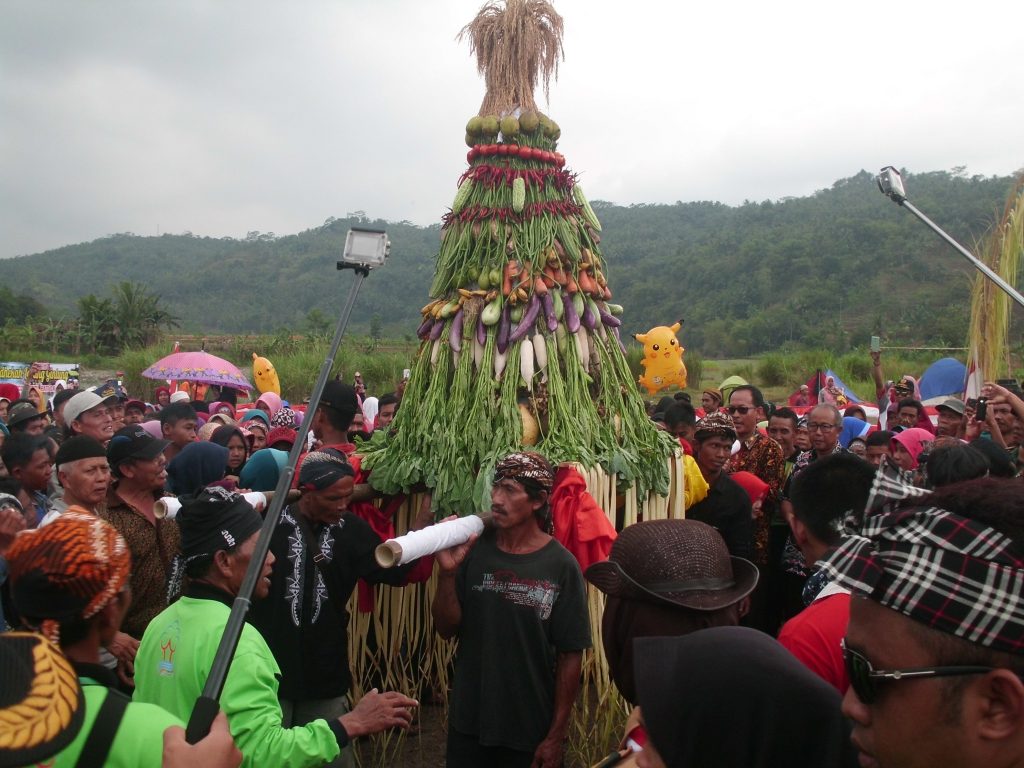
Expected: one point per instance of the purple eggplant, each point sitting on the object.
(504, 327)
(609, 319)
(572, 320)
(424, 330)
(481, 330)
(589, 318)
(455, 335)
(435, 332)
(528, 321)
(548, 303)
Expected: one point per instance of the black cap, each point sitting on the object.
(339, 396)
(133, 442)
(23, 412)
(79, 447)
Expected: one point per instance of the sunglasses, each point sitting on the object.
(864, 678)
(743, 410)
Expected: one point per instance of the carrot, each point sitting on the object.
(511, 270)
(570, 284)
(548, 280)
(539, 286)
(607, 293)
(587, 283)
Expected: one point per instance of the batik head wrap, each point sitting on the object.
(948, 572)
(41, 702)
(715, 424)
(68, 570)
(527, 468)
(322, 469)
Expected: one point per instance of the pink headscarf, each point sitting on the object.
(914, 440)
(271, 401)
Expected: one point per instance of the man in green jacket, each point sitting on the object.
(218, 535)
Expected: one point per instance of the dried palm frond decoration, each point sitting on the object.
(517, 43)
(990, 306)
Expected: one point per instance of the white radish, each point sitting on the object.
(540, 354)
(526, 362)
(435, 351)
(499, 363)
(455, 358)
(582, 346)
(478, 352)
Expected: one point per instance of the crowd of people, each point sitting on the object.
(805, 609)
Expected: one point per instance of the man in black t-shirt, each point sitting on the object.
(517, 602)
(727, 506)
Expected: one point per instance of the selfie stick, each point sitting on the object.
(891, 184)
(206, 706)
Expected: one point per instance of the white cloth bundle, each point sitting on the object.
(169, 506)
(427, 541)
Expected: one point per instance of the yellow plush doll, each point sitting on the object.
(663, 358)
(264, 375)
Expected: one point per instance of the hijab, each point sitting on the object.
(734, 697)
(262, 470)
(852, 428)
(915, 440)
(370, 408)
(222, 436)
(198, 465)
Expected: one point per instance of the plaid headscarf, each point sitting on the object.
(526, 466)
(950, 573)
(70, 569)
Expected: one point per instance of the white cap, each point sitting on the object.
(82, 402)
(181, 396)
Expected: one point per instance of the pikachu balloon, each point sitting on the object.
(663, 358)
(264, 375)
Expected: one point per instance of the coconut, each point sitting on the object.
(509, 126)
(471, 140)
(489, 126)
(475, 125)
(528, 121)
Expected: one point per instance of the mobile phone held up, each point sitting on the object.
(981, 409)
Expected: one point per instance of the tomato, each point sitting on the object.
(503, 149)
(472, 154)
(526, 153)
(513, 149)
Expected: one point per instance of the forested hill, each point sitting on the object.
(828, 269)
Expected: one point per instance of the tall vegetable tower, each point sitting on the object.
(520, 340)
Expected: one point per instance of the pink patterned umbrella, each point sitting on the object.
(201, 367)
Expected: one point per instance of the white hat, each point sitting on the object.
(82, 402)
(181, 396)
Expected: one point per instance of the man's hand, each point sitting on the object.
(377, 712)
(216, 750)
(12, 522)
(124, 647)
(449, 560)
(548, 754)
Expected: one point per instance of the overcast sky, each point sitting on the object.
(224, 117)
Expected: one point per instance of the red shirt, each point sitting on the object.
(813, 636)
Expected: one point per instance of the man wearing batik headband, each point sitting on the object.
(321, 550)
(935, 644)
(218, 535)
(69, 582)
(517, 602)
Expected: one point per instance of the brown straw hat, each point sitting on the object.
(684, 563)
